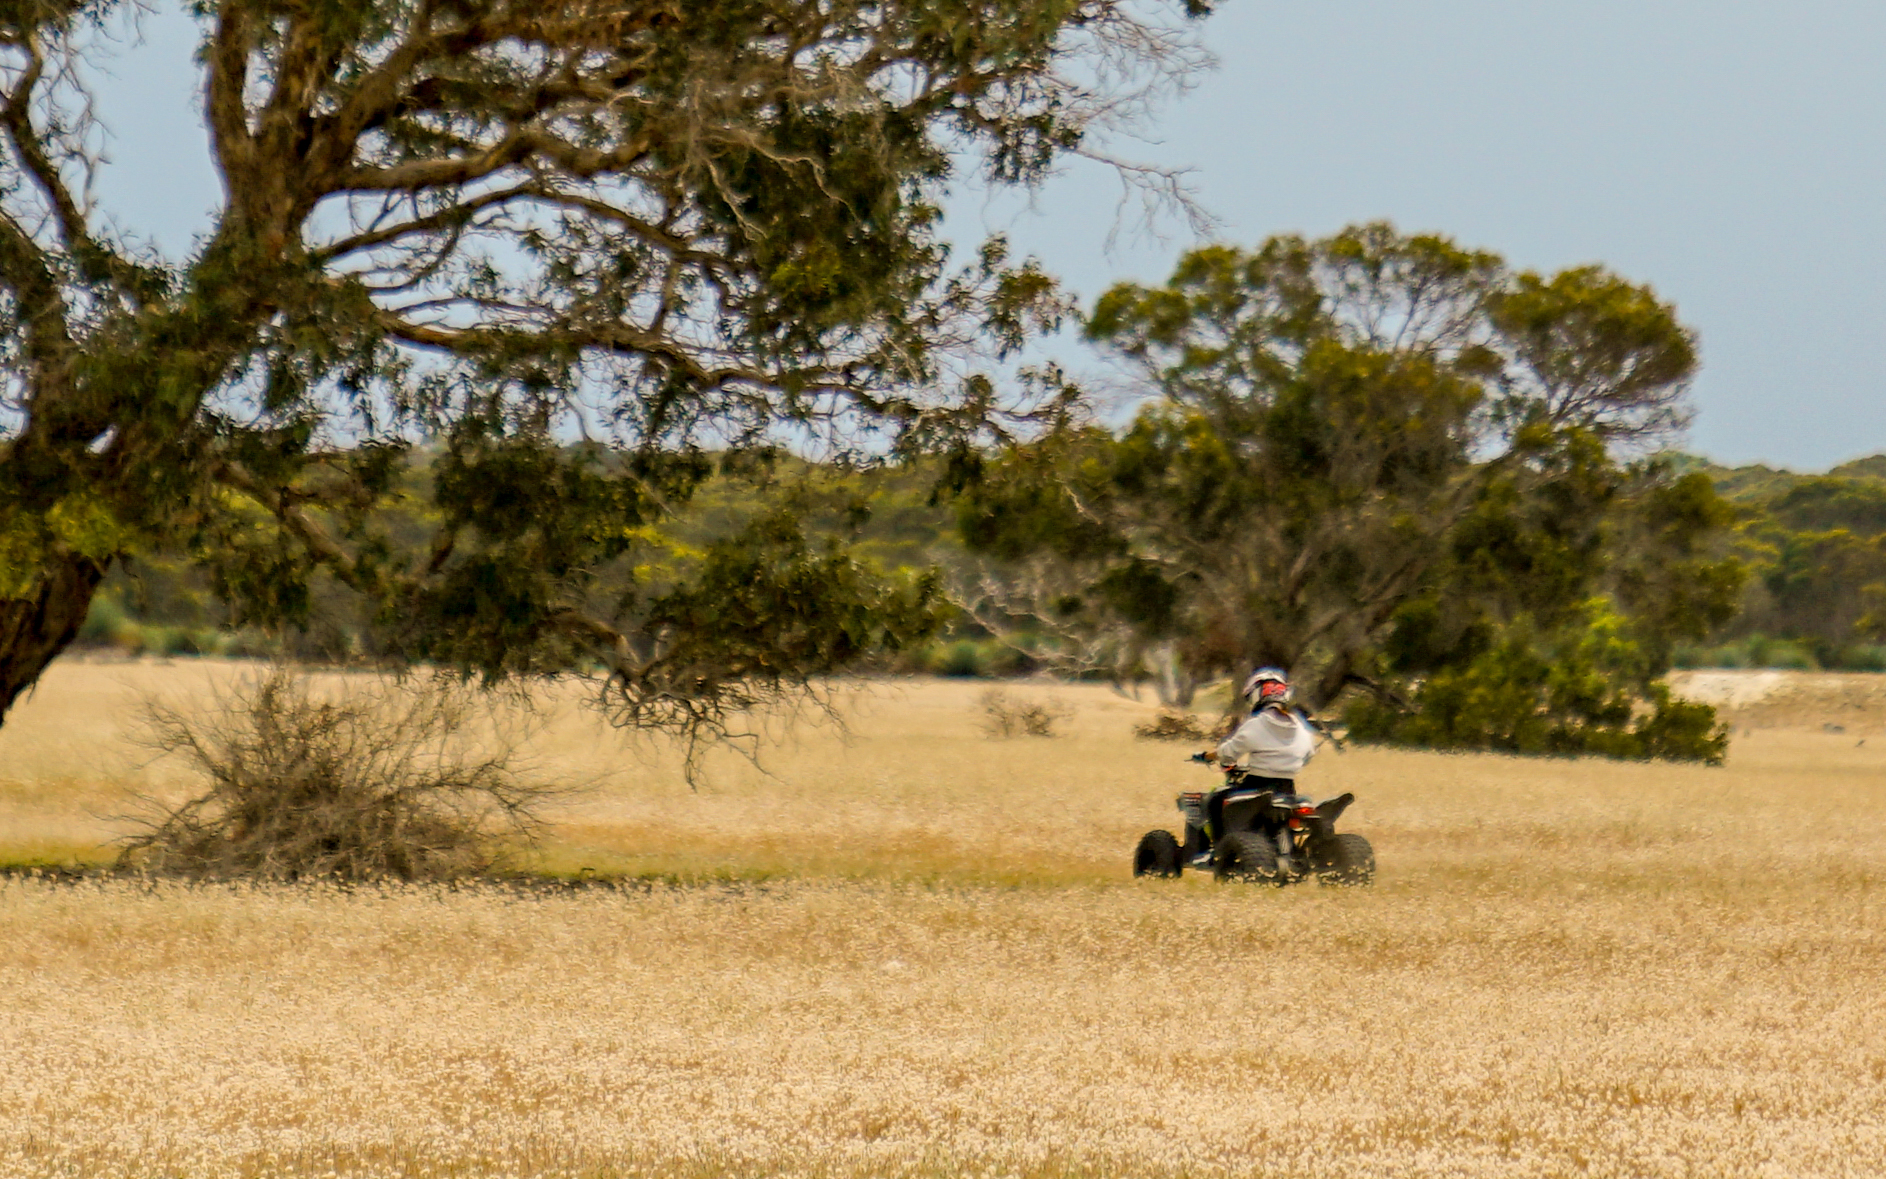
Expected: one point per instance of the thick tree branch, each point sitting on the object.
(622, 339)
(227, 58)
(27, 146)
(280, 503)
(452, 218)
(25, 270)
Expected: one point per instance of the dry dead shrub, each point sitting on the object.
(367, 781)
(1172, 726)
(1004, 715)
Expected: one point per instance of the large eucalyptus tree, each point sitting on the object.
(1333, 430)
(663, 227)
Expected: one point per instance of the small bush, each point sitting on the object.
(366, 783)
(1680, 730)
(959, 659)
(1172, 726)
(1755, 651)
(973, 659)
(1862, 657)
(1005, 716)
(104, 622)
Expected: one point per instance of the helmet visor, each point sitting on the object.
(1263, 676)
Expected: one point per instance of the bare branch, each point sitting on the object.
(453, 218)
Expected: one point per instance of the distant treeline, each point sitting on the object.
(1815, 546)
(171, 604)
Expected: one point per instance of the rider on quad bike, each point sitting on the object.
(1257, 828)
(1271, 747)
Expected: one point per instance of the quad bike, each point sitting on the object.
(1266, 837)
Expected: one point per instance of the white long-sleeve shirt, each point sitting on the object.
(1274, 743)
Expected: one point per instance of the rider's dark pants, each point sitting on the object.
(1215, 801)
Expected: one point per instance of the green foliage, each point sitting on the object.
(1507, 651)
(1576, 689)
(1764, 651)
(1599, 348)
(1761, 651)
(1369, 457)
(1816, 548)
(982, 659)
(456, 239)
(875, 531)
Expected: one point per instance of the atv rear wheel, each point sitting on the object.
(1248, 856)
(1345, 860)
(1157, 855)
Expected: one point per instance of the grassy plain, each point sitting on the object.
(915, 951)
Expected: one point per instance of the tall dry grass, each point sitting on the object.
(928, 961)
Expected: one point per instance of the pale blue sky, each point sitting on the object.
(1730, 152)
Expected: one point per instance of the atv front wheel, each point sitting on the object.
(1345, 859)
(1157, 855)
(1248, 856)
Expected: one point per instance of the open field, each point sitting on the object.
(915, 952)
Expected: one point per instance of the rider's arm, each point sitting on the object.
(1308, 732)
(1238, 744)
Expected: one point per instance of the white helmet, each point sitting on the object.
(1267, 685)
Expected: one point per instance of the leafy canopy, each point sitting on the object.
(659, 227)
(1336, 432)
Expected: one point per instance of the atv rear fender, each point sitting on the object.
(1327, 812)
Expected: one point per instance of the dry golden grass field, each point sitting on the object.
(917, 952)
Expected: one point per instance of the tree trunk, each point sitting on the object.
(1172, 680)
(34, 630)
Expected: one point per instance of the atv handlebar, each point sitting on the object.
(1325, 731)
